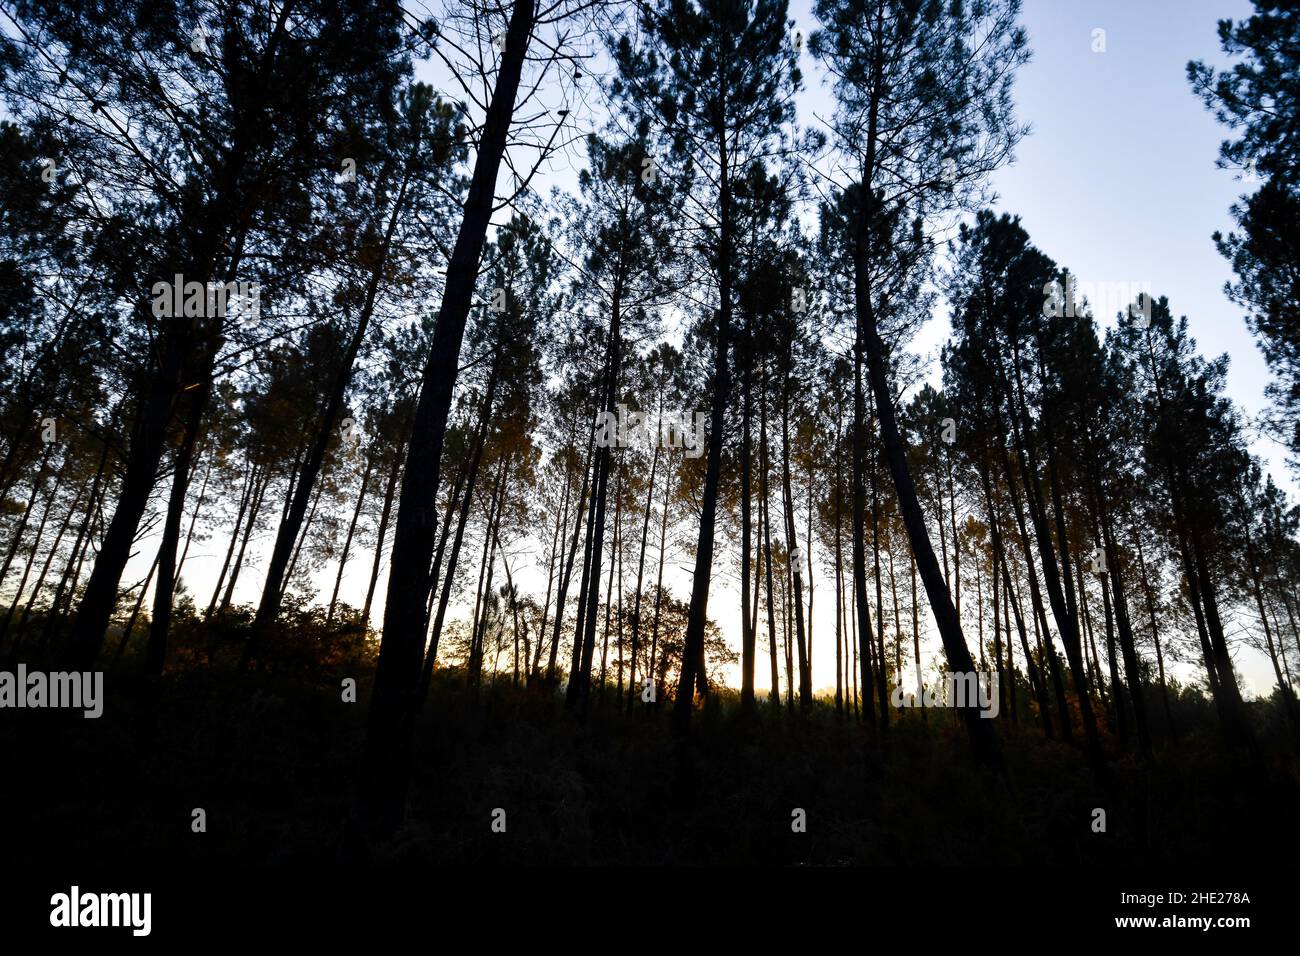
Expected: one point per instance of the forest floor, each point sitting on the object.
(271, 758)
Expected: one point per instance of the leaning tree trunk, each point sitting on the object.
(984, 741)
(51, 618)
(254, 513)
(555, 561)
(1039, 612)
(147, 443)
(347, 540)
(187, 349)
(453, 560)
(155, 657)
(1222, 658)
(566, 575)
(386, 756)
(245, 497)
(390, 490)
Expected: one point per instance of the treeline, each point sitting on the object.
(418, 384)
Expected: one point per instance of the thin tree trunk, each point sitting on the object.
(640, 569)
(245, 498)
(566, 577)
(1124, 627)
(765, 519)
(748, 641)
(1155, 634)
(579, 693)
(839, 572)
(555, 560)
(483, 590)
(1036, 682)
(792, 552)
(135, 611)
(164, 593)
(194, 520)
(881, 689)
(862, 632)
(347, 540)
(380, 534)
(253, 515)
(697, 617)
(659, 588)
(302, 543)
(1047, 653)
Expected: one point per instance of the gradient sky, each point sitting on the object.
(1118, 181)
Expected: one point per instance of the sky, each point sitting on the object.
(1117, 181)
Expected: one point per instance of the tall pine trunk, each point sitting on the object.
(386, 755)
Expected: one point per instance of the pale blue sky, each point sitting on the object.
(1118, 179)
(1119, 182)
